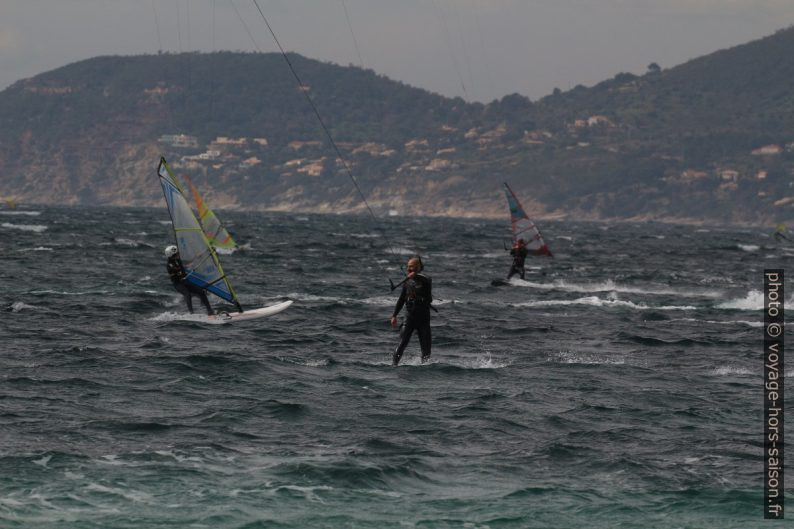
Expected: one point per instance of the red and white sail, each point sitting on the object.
(523, 227)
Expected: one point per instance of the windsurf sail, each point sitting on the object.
(523, 227)
(213, 229)
(197, 254)
(781, 233)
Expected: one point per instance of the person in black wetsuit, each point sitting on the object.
(178, 274)
(519, 253)
(416, 296)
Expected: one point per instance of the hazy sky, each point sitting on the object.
(477, 49)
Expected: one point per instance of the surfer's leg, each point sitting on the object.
(202, 295)
(204, 301)
(522, 272)
(423, 330)
(189, 301)
(405, 335)
(185, 291)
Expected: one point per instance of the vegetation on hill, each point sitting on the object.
(712, 139)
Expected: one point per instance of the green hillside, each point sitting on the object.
(671, 144)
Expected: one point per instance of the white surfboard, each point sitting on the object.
(231, 317)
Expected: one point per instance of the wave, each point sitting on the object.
(180, 316)
(715, 322)
(748, 247)
(38, 228)
(485, 362)
(610, 286)
(28, 213)
(574, 357)
(19, 306)
(131, 495)
(733, 370)
(127, 242)
(401, 250)
(64, 293)
(356, 235)
(382, 301)
(37, 249)
(595, 301)
(754, 300)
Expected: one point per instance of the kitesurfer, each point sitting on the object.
(519, 253)
(178, 274)
(416, 296)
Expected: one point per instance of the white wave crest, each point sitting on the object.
(754, 300)
(733, 370)
(715, 322)
(134, 496)
(595, 301)
(38, 228)
(182, 316)
(19, 306)
(130, 242)
(381, 301)
(610, 286)
(28, 213)
(403, 250)
(356, 235)
(574, 357)
(486, 362)
(36, 249)
(749, 247)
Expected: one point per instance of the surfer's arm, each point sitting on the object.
(429, 283)
(400, 302)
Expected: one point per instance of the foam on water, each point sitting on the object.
(735, 370)
(753, 300)
(610, 286)
(596, 301)
(37, 249)
(19, 306)
(749, 247)
(574, 357)
(37, 228)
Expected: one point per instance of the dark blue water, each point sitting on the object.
(618, 386)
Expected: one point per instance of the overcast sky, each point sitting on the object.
(476, 49)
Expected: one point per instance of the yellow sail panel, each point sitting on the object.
(217, 235)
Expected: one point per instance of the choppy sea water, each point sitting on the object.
(619, 385)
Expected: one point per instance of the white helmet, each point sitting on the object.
(171, 251)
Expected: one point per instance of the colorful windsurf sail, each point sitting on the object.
(523, 227)
(781, 233)
(213, 229)
(197, 254)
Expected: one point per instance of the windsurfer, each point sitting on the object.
(519, 253)
(178, 274)
(416, 296)
(780, 233)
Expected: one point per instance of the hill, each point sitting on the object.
(711, 140)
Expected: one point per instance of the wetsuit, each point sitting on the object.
(417, 295)
(178, 274)
(519, 254)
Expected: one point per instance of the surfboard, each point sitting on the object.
(232, 317)
(499, 282)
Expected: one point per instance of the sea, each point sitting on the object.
(618, 385)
